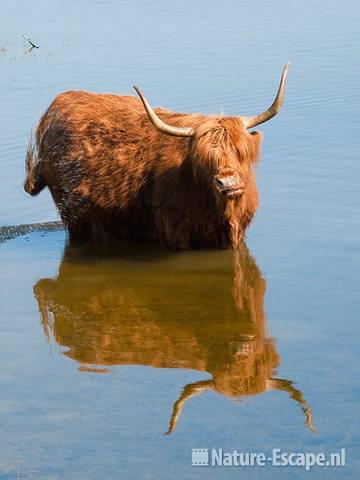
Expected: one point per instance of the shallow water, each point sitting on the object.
(103, 352)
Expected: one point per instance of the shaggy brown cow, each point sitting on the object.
(189, 182)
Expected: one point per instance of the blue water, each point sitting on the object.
(60, 416)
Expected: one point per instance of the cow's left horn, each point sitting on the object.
(295, 394)
(159, 124)
(250, 122)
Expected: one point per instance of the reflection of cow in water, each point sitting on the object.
(183, 311)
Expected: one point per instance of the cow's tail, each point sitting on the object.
(34, 181)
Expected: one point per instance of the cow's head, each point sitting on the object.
(223, 150)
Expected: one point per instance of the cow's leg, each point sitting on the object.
(171, 231)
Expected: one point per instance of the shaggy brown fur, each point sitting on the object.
(113, 175)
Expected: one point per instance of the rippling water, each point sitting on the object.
(248, 348)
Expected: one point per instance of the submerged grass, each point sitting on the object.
(10, 232)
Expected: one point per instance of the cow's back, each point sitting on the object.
(96, 164)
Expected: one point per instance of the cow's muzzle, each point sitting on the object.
(230, 184)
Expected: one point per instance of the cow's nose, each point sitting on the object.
(225, 183)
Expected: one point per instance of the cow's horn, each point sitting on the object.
(295, 394)
(159, 124)
(250, 122)
(188, 391)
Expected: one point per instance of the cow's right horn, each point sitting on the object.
(159, 124)
(188, 391)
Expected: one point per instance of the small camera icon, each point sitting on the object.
(200, 457)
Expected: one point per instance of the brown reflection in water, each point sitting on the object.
(199, 310)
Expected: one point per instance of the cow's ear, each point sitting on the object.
(257, 136)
